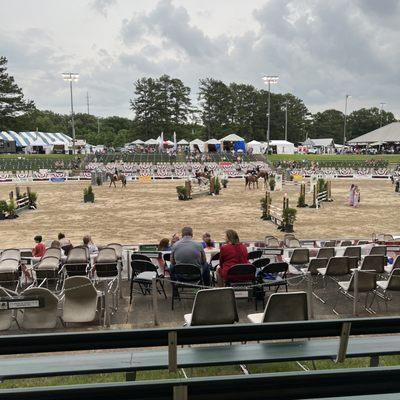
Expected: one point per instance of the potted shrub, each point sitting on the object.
(11, 209)
(3, 209)
(224, 183)
(289, 217)
(32, 199)
(217, 186)
(301, 202)
(182, 193)
(272, 183)
(88, 194)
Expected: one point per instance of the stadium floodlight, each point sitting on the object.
(345, 119)
(268, 79)
(71, 77)
(381, 104)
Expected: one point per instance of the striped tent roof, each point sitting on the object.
(24, 139)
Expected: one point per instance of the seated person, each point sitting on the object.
(188, 251)
(232, 253)
(175, 238)
(87, 242)
(65, 243)
(55, 244)
(207, 242)
(164, 245)
(40, 248)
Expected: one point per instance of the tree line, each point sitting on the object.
(165, 104)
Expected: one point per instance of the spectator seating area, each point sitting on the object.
(82, 287)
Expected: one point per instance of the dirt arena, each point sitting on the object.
(147, 212)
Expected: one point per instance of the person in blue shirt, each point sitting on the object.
(207, 242)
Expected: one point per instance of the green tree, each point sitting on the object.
(161, 104)
(366, 120)
(216, 107)
(328, 124)
(12, 102)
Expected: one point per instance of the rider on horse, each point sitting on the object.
(116, 173)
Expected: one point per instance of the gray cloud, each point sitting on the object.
(102, 6)
(321, 50)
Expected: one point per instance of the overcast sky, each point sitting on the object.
(321, 49)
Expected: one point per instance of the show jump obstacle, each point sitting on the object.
(273, 213)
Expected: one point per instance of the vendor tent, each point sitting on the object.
(152, 142)
(137, 141)
(255, 146)
(183, 142)
(197, 144)
(213, 145)
(281, 147)
(234, 142)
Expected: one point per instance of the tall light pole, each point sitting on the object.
(71, 77)
(286, 118)
(381, 104)
(345, 119)
(268, 79)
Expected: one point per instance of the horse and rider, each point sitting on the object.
(252, 176)
(201, 176)
(115, 177)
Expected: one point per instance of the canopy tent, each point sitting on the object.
(213, 145)
(137, 141)
(281, 147)
(236, 141)
(255, 146)
(196, 144)
(389, 134)
(152, 142)
(324, 145)
(183, 142)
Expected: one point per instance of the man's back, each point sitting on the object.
(187, 251)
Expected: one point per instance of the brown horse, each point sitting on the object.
(264, 175)
(251, 179)
(200, 175)
(114, 178)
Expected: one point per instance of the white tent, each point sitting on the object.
(232, 138)
(213, 145)
(152, 142)
(183, 142)
(281, 147)
(137, 141)
(197, 142)
(256, 146)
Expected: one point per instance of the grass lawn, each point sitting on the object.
(196, 372)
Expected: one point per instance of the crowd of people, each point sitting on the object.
(186, 250)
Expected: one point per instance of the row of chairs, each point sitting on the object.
(280, 307)
(79, 299)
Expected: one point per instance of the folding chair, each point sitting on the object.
(77, 262)
(40, 318)
(273, 276)
(378, 250)
(221, 301)
(254, 255)
(108, 270)
(283, 307)
(391, 285)
(326, 252)
(143, 273)
(366, 284)
(185, 277)
(298, 259)
(80, 299)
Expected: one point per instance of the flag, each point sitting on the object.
(175, 144)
